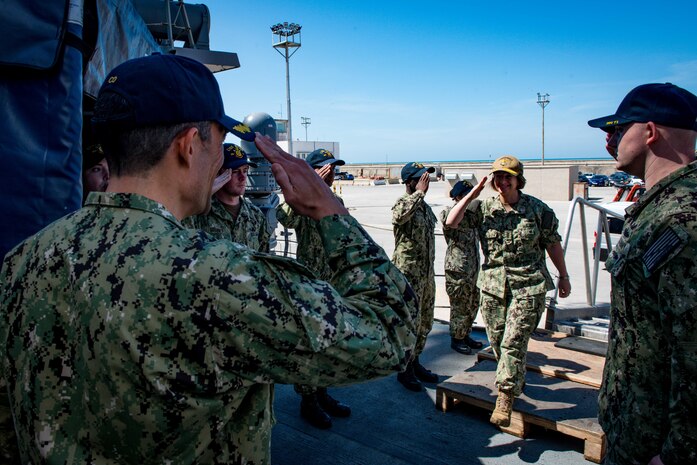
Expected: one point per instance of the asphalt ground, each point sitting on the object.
(391, 425)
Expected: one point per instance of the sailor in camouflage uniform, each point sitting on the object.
(316, 406)
(232, 216)
(129, 339)
(414, 224)
(515, 231)
(648, 400)
(461, 271)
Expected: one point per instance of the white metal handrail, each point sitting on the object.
(603, 227)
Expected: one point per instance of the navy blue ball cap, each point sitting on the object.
(166, 90)
(461, 188)
(415, 169)
(320, 157)
(664, 104)
(234, 157)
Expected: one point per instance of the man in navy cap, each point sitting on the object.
(317, 407)
(231, 216)
(647, 403)
(414, 225)
(127, 338)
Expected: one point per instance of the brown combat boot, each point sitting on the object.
(504, 407)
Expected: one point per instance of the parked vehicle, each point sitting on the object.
(620, 178)
(598, 180)
(343, 175)
(583, 177)
(629, 193)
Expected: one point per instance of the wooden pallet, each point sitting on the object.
(557, 404)
(548, 356)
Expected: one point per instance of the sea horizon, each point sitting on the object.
(483, 160)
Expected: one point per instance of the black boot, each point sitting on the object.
(424, 374)
(473, 343)
(311, 411)
(408, 379)
(332, 406)
(460, 345)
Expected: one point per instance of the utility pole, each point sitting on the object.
(543, 101)
(305, 122)
(284, 38)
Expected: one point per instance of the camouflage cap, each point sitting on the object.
(509, 164)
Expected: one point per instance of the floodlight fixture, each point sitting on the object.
(286, 29)
(284, 40)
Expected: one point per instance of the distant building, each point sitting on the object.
(301, 148)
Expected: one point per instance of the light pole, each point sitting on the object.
(283, 37)
(543, 101)
(305, 122)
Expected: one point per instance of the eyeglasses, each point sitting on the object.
(620, 131)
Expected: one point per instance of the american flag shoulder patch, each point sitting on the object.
(666, 246)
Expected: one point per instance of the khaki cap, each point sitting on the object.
(509, 164)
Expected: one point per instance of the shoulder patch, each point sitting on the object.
(665, 247)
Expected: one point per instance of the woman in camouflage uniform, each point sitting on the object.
(515, 231)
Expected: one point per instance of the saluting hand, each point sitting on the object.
(302, 189)
(478, 188)
(325, 172)
(221, 180)
(424, 182)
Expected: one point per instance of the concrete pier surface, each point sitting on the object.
(372, 206)
(390, 425)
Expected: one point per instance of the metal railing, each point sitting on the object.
(602, 231)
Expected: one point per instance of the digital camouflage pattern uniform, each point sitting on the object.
(8, 439)
(128, 338)
(414, 227)
(461, 271)
(513, 279)
(309, 252)
(250, 228)
(647, 401)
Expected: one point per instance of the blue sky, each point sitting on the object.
(429, 81)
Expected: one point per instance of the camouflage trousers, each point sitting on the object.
(425, 290)
(509, 325)
(464, 302)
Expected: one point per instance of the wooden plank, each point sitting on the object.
(556, 404)
(547, 357)
(583, 344)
